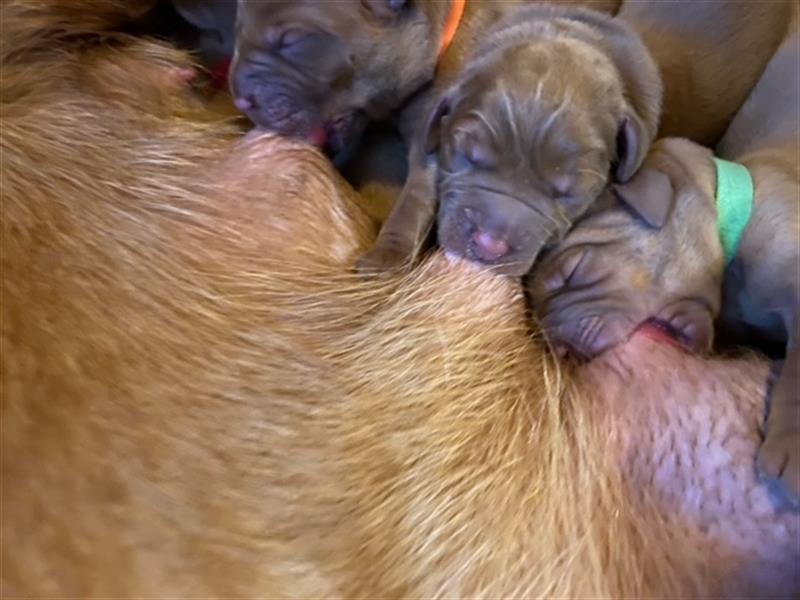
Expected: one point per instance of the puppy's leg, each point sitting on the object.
(404, 233)
(779, 456)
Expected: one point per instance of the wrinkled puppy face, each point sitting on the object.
(648, 250)
(525, 143)
(318, 70)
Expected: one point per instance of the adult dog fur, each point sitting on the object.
(710, 55)
(199, 400)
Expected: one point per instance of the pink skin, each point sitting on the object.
(686, 431)
(182, 75)
(318, 137)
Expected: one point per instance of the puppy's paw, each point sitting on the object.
(383, 259)
(691, 322)
(778, 461)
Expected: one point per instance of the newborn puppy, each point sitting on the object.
(552, 104)
(611, 273)
(320, 70)
(618, 268)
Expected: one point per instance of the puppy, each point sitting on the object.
(610, 274)
(710, 56)
(551, 104)
(321, 70)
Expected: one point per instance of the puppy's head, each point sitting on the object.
(527, 140)
(649, 249)
(319, 70)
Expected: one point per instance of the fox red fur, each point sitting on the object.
(200, 400)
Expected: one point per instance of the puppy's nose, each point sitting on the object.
(487, 247)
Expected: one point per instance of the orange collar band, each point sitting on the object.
(451, 26)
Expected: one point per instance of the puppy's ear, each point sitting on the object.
(384, 9)
(632, 145)
(433, 127)
(649, 194)
(642, 87)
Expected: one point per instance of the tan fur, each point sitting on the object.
(199, 400)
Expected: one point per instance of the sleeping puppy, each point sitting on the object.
(618, 268)
(551, 104)
(611, 273)
(321, 70)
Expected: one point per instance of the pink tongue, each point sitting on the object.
(318, 137)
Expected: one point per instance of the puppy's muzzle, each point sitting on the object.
(500, 233)
(274, 102)
(487, 247)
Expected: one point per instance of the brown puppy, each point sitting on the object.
(514, 151)
(610, 273)
(695, 71)
(710, 55)
(320, 70)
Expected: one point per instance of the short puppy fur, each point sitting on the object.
(523, 137)
(321, 70)
(611, 273)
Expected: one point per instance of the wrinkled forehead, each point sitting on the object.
(554, 128)
(531, 100)
(334, 16)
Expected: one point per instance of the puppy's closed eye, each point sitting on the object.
(282, 38)
(472, 146)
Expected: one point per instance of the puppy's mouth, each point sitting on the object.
(662, 331)
(335, 135)
(338, 134)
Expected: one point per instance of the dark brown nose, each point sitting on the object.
(487, 247)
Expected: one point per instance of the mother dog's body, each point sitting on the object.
(193, 405)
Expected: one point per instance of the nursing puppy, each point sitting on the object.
(551, 105)
(321, 70)
(710, 56)
(610, 274)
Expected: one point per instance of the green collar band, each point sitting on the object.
(734, 204)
